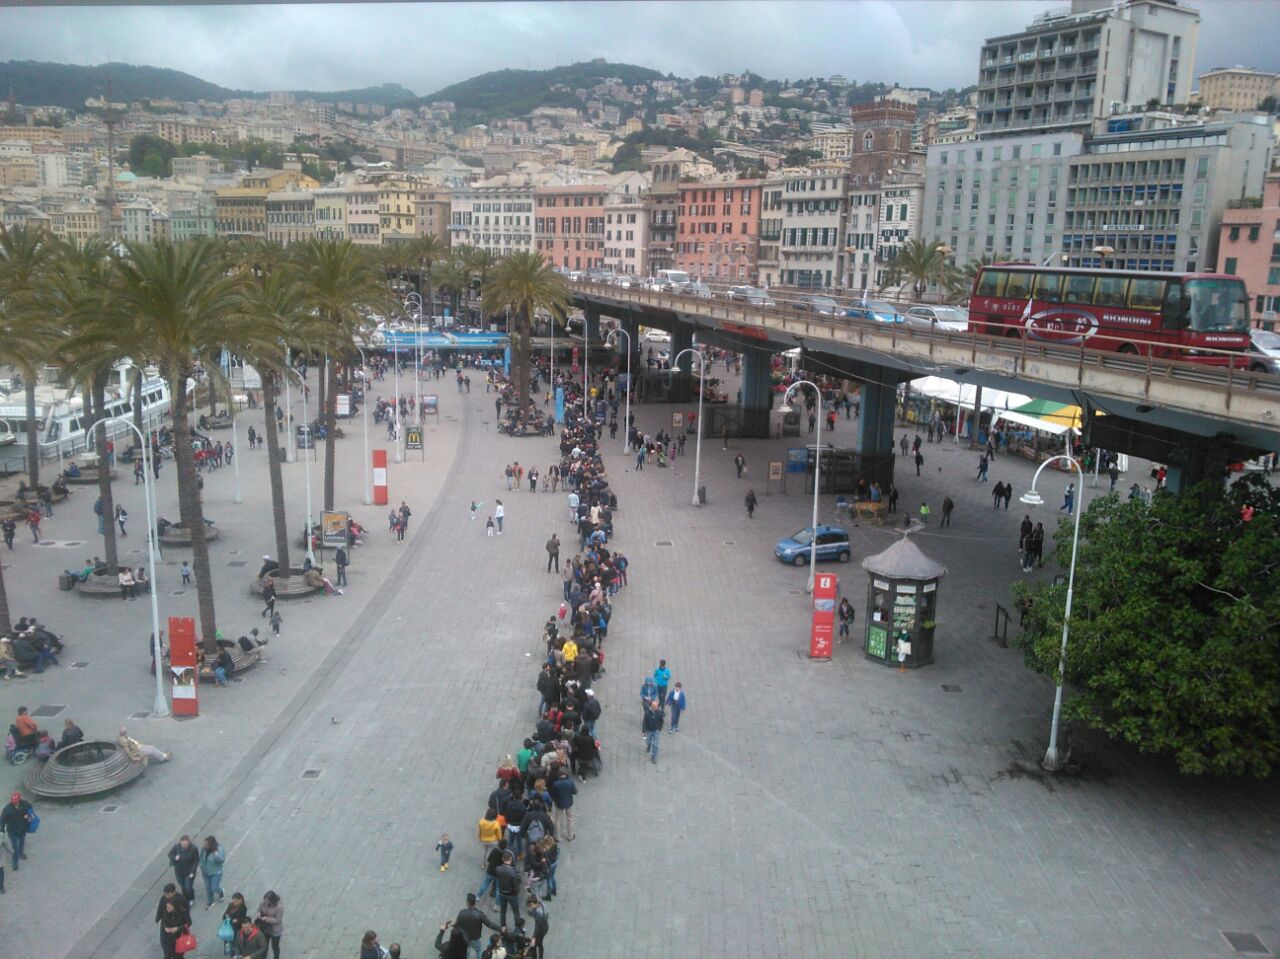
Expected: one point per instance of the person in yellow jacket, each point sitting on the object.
(488, 831)
(570, 650)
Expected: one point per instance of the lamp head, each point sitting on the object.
(1031, 498)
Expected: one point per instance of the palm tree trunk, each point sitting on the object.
(330, 417)
(522, 358)
(33, 434)
(6, 627)
(430, 292)
(322, 387)
(278, 516)
(99, 404)
(192, 513)
(138, 420)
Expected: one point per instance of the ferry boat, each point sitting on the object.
(60, 420)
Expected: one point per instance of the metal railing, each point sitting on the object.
(1172, 383)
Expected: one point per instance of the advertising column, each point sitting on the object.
(183, 665)
(824, 614)
(380, 477)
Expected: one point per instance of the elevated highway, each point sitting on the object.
(1159, 397)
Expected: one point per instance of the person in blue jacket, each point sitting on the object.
(662, 679)
(647, 692)
(676, 700)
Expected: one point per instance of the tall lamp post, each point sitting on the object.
(1051, 761)
(817, 471)
(416, 300)
(160, 707)
(626, 430)
(364, 408)
(395, 407)
(310, 552)
(697, 456)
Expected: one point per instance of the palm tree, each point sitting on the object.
(25, 255)
(480, 264)
(76, 302)
(338, 279)
(451, 277)
(525, 283)
(181, 298)
(922, 263)
(960, 283)
(273, 296)
(424, 252)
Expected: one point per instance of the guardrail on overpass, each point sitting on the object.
(1234, 396)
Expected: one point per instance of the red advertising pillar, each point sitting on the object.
(380, 477)
(824, 615)
(575, 359)
(183, 665)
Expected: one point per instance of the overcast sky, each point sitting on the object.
(427, 46)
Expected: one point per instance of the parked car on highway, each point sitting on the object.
(813, 303)
(749, 294)
(833, 543)
(877, 310)
(951, 318)
(697, 288)
(1264, 351)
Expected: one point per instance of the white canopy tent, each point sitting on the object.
(962, 394)
(1034, 422)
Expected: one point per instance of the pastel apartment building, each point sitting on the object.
(718, 230)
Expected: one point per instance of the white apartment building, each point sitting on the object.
(626, 225)
(1096, 59)
(497, 214)
(364, 221)
(331, 213)
(802, 223)
(195, 168)
(54, 171)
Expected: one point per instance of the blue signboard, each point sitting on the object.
(559, 404)
(797, 459)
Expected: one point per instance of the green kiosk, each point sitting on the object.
(902, 602)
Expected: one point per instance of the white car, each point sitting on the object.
(954, 319)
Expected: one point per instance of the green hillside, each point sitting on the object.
(512, 93)
(67, 85)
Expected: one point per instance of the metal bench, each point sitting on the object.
(84, 769)
(88, 476)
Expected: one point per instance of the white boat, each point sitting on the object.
(60, 420)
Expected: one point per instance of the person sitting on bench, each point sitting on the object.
(73, 470)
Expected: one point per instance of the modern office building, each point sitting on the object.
(1098, 58)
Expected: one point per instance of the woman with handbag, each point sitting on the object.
(270, 920)
(175, 920)
(233, 919)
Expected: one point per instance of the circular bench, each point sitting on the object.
(177, 534)
(12, 509)
(240, 661)
(84, 769)
(88, 476)
(103, 584)
(292, 586)
(218, 423)
(30, 499)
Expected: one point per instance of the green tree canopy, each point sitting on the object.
(1175, 631)
(151, 156)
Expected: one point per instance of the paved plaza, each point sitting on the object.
(804, 810)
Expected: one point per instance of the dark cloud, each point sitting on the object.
(427, 46)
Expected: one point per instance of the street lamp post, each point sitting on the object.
(586, 364)
(417, 346)
(290, 449)
(395, 407)
(626, 429)
(817, 472)
(364, 407)
(160, 707)
(1051, 761)
(310, 552)
(697, 456)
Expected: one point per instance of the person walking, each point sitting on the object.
(270, 919)
(122, 517)
(212, 856)
(97, 511)
(751, 503)
(997, 493)
(341, 561)
(1069, 499)
(919, 460)
(1037, 545)
(10, 528)
(676, 700)
(814, 419)
(845, 613)
(947, 507)
(740, 463)
(538, 913)
(15, 823)
(661, 679)
(893, 498)
(499, 512)
(924, 514)
(553, 553)
(508, 887)
(269, 597)
(33, 524)
(904, 444)
(472, 922)
(185, 859)
(174, 917)
(983, 465)
(648, 692)
(1008, 495)
(653, 722)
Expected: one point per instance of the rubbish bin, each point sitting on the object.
(702, 496)
(305, 440)
(66, 582)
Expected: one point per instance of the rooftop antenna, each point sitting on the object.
(110, 118)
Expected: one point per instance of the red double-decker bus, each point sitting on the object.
(1188, 316)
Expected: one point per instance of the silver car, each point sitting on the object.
(1264, 353)
(749, 294)
(951, 318)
